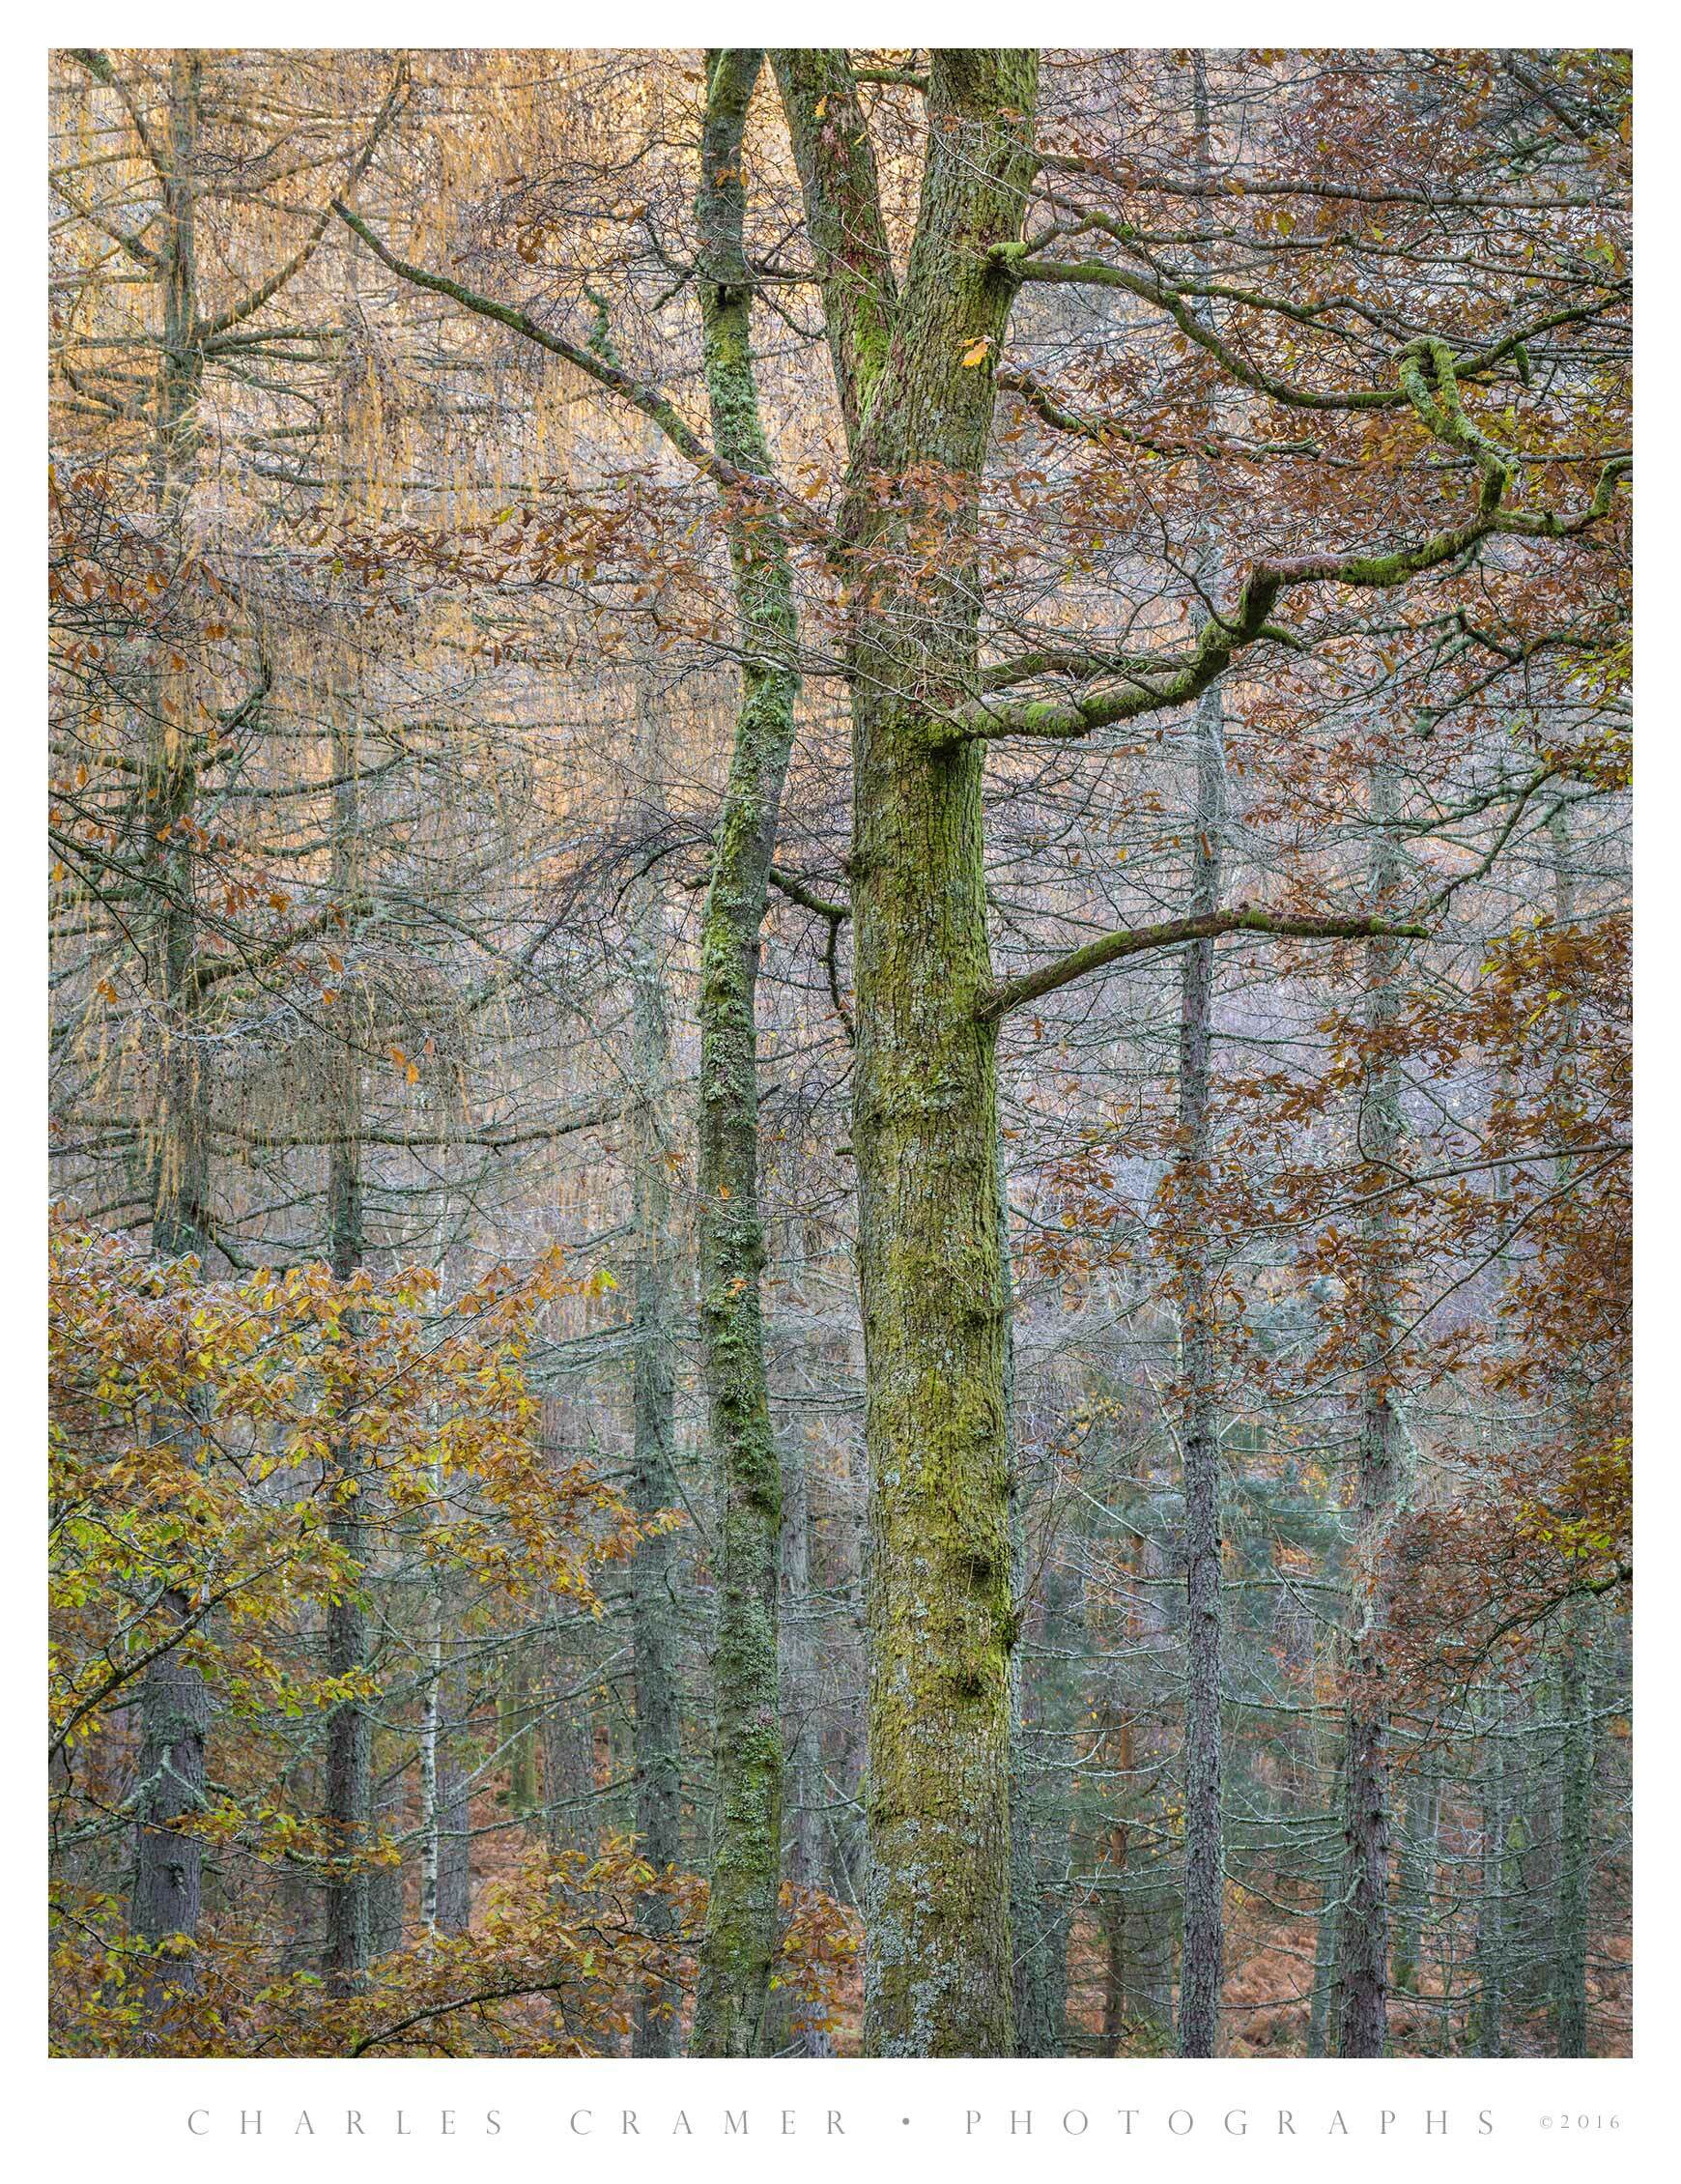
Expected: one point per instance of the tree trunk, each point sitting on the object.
(741, 1921)
(174, 1705)
(1416, 1876)
(659, 1761)
(804, 1854)
(350, 1727)
(1575, 1834)
(1491, 1948)
(1202, 1960)
(1038, 1918)
(1363, 1933)
(937, 1980)
(1325, 1938)
(1575, 1803)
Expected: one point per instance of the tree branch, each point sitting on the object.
(1138, 940)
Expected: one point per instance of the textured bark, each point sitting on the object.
(1202, 1960)
(168, 1866)
(937, 1979)
(1363, 1932)
(659, 1762)
(741, 1924)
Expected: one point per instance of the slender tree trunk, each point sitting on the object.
(431, 1720)
(1416, 1876)
(174, 1705)
(1576, 1835)
(1202, 1959)
(386, 1884)
(1325, 1939)
(1363, 1935)
(804, 1854)
(659, 1760)
(937, 1979)
(742, 1912)
(1491, 1944)
(1038, 1814)
(1575, 1802)
(350, 1727)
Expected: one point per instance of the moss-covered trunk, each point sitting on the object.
(741, 1927)
(941, 1617)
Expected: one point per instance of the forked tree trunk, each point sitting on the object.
(937, 1979)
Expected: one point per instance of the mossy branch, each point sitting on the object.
(1177, 933)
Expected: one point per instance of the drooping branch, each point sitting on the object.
(1175, 932)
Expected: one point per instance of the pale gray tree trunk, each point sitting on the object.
(1363, 1932)
(1202, 1959)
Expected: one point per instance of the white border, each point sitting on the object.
(130, 2119)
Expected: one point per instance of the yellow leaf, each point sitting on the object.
(976, 352)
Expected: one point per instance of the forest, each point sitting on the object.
(839, 1097)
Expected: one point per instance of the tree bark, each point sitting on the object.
(1202, 1960)
(1491, 1944)
(659, 1760)
(1576, 1835)
(350, 1727)
(1363, 1932)
(1325, 1933)
(742, 1912)
(167, 1890)
(937, 1979)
